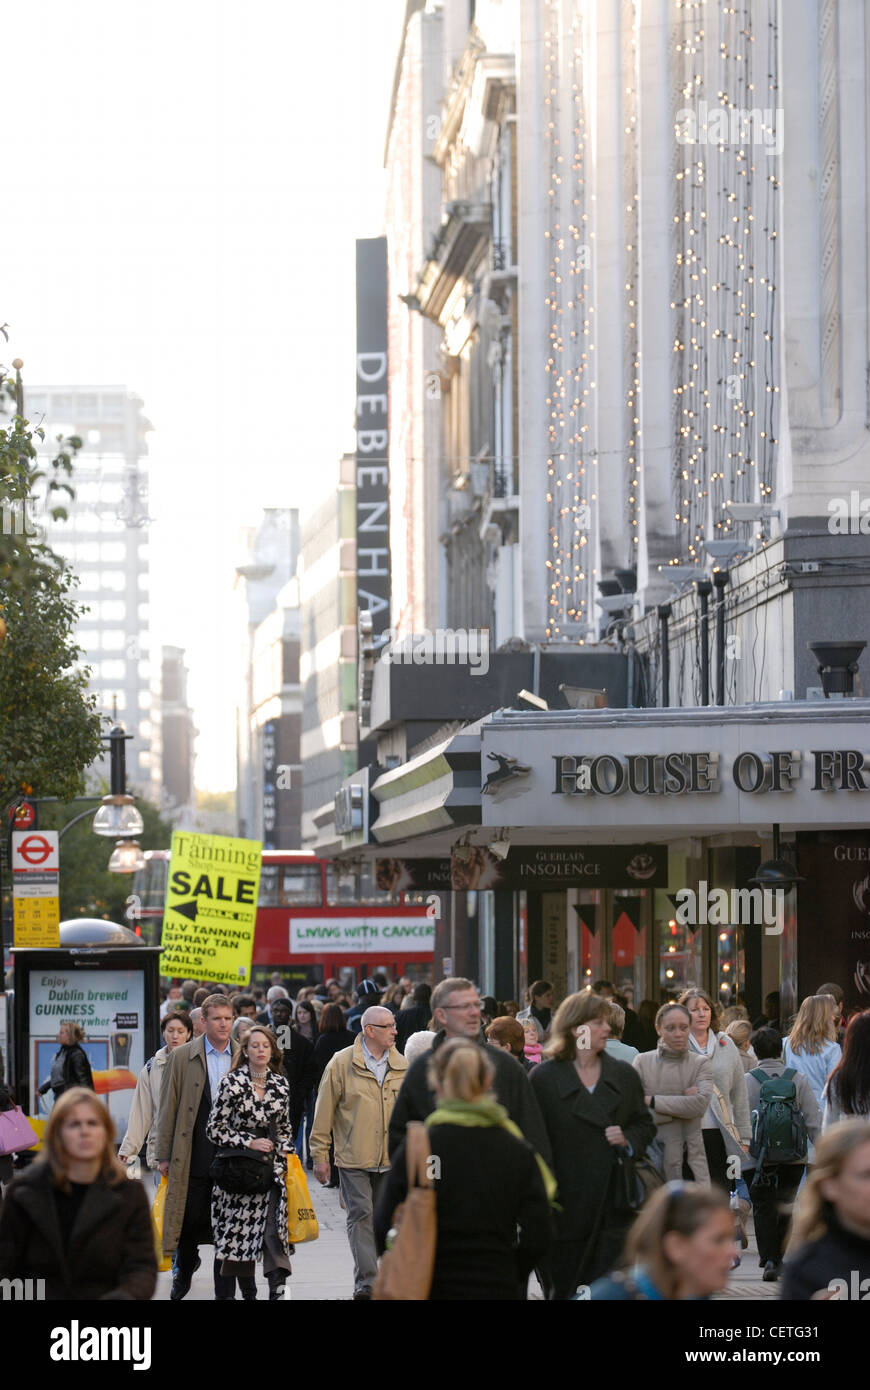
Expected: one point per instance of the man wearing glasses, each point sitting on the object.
(456, 1014)
(354, 1105)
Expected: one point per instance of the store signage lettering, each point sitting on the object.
(676, 774)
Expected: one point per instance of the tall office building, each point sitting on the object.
(177, 738)
(269, 705)
(328, 667)
(105, 541)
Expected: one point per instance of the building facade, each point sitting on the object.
(105, 541)
(328, 664)
(269, 708)
(650, 280)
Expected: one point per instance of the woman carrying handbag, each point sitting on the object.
(487, 1235)
(249, 1200)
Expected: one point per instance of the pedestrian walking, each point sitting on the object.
(184, 1151)
(297, 1055)
(72, 1218)
(418, 1043)
(680, 1248)
(847, 1092)
(491, 1234)
(510, 1035)
(595, 1116)
(332, 1036)
(355, 1101)
(829, 1249)
(272, 993)
(678, 1086)
(251, 1114)
(367, 994)
(7, 1102)
(414, 1014)
(725, 1127)
(456, 1014)
(69, 1065)
(540, 1005)
(740, 1030)
(622, 1051)
(837, 994)
(811, 1047)
(785, 1117)
(176, 1029)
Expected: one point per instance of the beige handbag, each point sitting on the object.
(407, 1267)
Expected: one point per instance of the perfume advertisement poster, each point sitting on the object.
(108, 1006)
(834, 914)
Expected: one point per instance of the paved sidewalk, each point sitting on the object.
(322, 1269)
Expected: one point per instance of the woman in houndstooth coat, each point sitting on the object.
(251, 1111)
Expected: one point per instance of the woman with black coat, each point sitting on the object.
(333, 1036)
(69, 1065)
(829, 1250)
(73, 1219)
(493, 1212)
(595, 1117)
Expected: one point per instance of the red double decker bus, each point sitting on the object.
(317, 918)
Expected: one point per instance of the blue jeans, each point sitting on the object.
(302, 1138)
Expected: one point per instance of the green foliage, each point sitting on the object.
(87, 889)
(49, 726)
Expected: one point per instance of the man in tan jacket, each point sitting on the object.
(354, 1105)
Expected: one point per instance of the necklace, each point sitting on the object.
(259, 1076)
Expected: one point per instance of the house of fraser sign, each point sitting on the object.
(675, 774)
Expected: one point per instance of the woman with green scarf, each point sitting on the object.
(493, 1191)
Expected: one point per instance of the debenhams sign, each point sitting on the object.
(730, 785)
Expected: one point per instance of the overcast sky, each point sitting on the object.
(183, 186)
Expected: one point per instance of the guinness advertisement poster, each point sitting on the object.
(530, 867)
(833, 914)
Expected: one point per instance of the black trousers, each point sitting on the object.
(717, 1160)
(195, 1231)
(772, 1197)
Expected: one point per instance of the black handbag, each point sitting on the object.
(243, 1172)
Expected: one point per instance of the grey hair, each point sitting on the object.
(373, 1009)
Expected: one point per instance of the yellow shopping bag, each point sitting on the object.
(164, 1262)
(301, 1218)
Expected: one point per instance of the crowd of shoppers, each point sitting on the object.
(567, 1102)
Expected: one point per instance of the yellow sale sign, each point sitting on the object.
(211, 907)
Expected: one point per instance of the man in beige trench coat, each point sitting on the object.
(190, 1083)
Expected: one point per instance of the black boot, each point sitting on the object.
(277, 1279)
(249, 1289)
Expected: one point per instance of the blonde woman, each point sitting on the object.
(491, 1234)
(72, 1219)
(829, 1251)
(740, 1031)
(811, 1047)
(725, 1128)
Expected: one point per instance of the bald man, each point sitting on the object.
(354, 1105)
